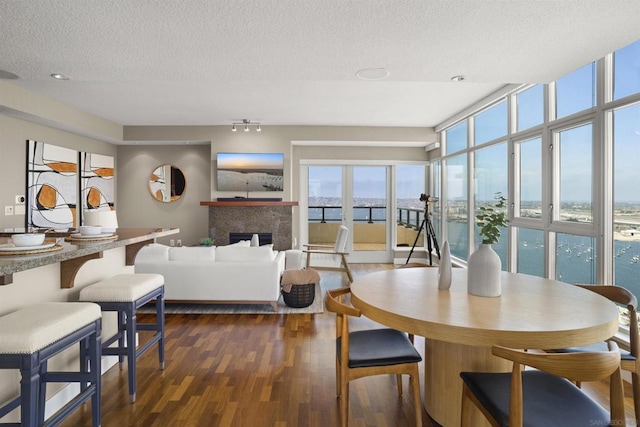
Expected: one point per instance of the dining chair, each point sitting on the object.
(629, 359)
(370, 352)
(327, 257)
(545, 396)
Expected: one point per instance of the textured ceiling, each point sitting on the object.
(293, 62)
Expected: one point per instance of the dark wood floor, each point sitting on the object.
(255, 370)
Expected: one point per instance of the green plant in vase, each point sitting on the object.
(484, 265)
(491, 218)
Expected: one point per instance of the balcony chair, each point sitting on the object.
(370, 352)
(334, 258)
(629, 359)
(545, 396)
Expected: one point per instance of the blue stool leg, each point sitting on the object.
(95, 354)
(84, 361)
(29, 391)
(160, 327)
(130, 313)
(121, 339)
(42, 391)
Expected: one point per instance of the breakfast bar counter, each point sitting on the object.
(74, 253)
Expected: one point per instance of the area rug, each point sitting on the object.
(191, 308)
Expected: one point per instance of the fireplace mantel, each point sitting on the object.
(246, 203)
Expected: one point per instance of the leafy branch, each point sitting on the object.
(491, 218)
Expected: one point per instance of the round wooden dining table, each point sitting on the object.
(460, 328)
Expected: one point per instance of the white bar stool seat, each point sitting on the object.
(124, 294)
(30, 336)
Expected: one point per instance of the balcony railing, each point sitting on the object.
(369, 226)
(407, 217)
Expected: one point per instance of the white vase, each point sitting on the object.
(444, 267)
(483, 272)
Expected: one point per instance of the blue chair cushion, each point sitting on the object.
(599, 346)
(548, 400)
(379, 347)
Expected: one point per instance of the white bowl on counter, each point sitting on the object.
(28, 239)
(90, 230)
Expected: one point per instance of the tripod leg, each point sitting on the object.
(432, 234)
(429, 247)
(416, 240)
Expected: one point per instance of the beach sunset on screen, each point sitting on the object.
(250, 160)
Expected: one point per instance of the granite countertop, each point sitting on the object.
(129, 237)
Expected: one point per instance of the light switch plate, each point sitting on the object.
(8, 210)
(19, 209)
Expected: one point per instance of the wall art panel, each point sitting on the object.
(97, 182)
(52, 186)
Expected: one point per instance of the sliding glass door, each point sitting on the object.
(354, 196)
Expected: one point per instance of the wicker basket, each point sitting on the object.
(300, 295)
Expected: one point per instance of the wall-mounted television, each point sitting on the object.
(250, 171)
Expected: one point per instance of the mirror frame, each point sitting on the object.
(167, 175)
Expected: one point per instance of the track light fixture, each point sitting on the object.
(246, 123)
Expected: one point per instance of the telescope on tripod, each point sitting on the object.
(430, 234)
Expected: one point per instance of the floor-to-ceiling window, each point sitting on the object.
(626, 207)
(490, 179)
(567, 154)
(456, 205)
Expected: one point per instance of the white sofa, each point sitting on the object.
(233, 273)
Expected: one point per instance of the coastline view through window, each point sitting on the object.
(365, 206)
(575, 166)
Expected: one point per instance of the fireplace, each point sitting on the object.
(265, 238)
(246, 215)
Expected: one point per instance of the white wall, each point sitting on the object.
(136, 206)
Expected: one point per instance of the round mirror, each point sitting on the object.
(167, 183)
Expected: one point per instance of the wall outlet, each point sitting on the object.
(19, 210)
(179, 242)
(20, 200)
(8, 210)
(172, 242)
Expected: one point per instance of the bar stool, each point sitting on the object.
(30, 336)
(124, 294)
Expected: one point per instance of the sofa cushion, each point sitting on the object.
(196, 253)
(241, 243)
(234, 253)
(153, 252)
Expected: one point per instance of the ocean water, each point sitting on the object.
(575, 256)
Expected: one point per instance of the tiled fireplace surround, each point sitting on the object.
(276, 220)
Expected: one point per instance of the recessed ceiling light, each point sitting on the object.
(373, 74)
(7, 75)
(458, 78)
(59, 76)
